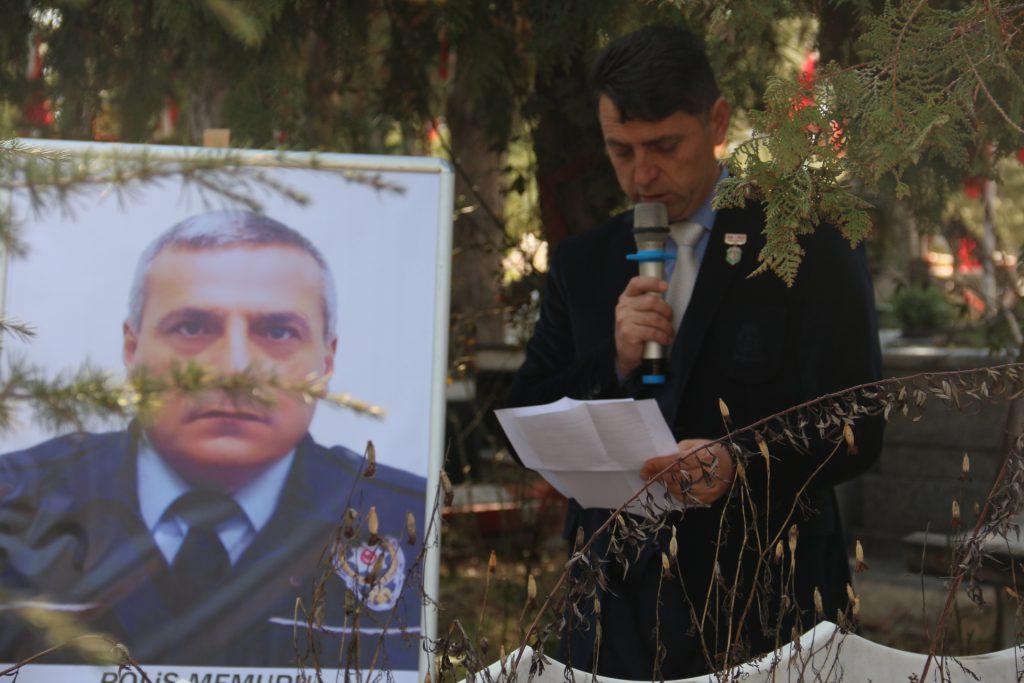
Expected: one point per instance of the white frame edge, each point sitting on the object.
(363, 163)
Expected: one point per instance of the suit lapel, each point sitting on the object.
(619, 269)
(714, 279)
(128, 576)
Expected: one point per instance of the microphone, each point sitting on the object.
(650, 229)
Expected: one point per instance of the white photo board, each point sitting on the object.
(228, 287)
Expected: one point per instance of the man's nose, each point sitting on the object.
(644, 170)
(236, 353)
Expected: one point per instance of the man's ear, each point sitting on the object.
(718, 119)
(332, 350)
(131, 343)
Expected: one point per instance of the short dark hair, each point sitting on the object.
(654, 72)
(222, 229)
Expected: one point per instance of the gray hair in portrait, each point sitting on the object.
(218, 229)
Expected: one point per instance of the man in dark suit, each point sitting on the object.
(754, 343)
(190, 536)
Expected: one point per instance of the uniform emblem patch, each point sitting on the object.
(374, 573)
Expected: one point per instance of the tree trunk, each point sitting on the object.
(479, 232)
(989, 289)
(576, 186)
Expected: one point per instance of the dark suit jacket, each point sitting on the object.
(71, 537)
(759, 346)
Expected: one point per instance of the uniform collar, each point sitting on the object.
(159, 486)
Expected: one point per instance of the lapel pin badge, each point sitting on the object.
(734, 253)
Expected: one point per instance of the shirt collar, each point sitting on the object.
(159, 486)
(705, 215)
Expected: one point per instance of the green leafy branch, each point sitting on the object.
(49, 179)
(922, 98)
(71, 400)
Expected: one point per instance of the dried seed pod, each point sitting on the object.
(848, 437)
(531, 589)
(818, 607)
(673, 546)
(724, 410)
(410, 528)
(666, 568)
(850, 594)
(858, 553)
(348, 523)
(716, 574)
(794, 534)
(371, 460)
(446, 486)
(965, 466)
(373, 525)
(956, 514)
(762, 446)
(492, 563)
(778, 551)
(977, 509)
(597, 606)
(579, 538)
(856, 606)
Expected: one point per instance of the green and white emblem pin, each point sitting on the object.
(733, 255)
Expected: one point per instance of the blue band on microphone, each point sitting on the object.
(651, 255)
(653, 379)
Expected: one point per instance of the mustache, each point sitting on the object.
(231, 411)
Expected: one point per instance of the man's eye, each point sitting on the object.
(280, 333)
(189, 328)
(667, 147)
(620, 152)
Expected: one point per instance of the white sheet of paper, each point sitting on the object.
(591, 450)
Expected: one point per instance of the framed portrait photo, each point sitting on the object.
(268, 510)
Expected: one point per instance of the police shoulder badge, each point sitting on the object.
(374, 573)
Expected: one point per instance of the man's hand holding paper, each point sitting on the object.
(593, 451)
(700, 473)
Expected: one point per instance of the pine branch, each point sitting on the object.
(13, 327)
(72, 400)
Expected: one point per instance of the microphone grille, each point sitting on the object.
(650, 215)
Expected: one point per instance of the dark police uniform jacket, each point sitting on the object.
(761, 347)
(72, 542)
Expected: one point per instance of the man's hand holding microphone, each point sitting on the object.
(701, 473)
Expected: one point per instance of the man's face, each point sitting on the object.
(671, 161)
(231, 309)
